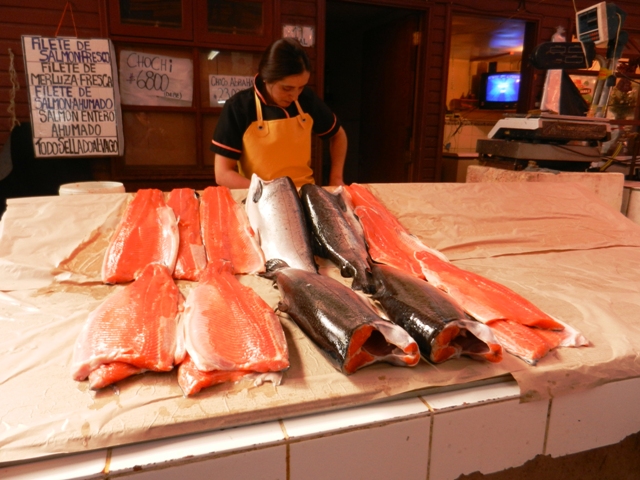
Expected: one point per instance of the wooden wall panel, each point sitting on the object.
(35, 17)
(548, 16)
(41, 17)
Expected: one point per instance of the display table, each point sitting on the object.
(607, 185)
(564, 249)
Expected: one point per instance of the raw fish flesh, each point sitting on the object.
(483, 299)
(522, 341)
(147, 233)
(192, 380)
(227, 234)
(339, 321)
(229, 327)
(440, 327)
(191, 255)
(334, 237)
(276, 214)
(387, 240)
(110, 373)
(137, 325)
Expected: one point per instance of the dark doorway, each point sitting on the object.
(370, 74)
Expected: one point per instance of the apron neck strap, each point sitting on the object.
(301, 118)
(258, 109)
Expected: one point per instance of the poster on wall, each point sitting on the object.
(222, 87)
(305, 34)
(158, 80)
(73, 96)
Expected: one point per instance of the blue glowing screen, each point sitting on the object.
(503, 87)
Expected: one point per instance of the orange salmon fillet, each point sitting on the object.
(387, 244)
(482, 298)
(229, 327)
(388, 240)
(390, 243)
(362, 197)
(147, 233)
(192, 380)
(110, 373)
(227, 234)
(137, 325)
(192, 258)
(520, 340)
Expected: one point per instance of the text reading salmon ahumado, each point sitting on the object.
(73, 96)
(152, 79)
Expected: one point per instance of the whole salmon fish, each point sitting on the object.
(334, 237)
(339, 321)
(439, 326)
(276, 215)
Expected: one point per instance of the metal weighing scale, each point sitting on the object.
(517, 140)
(565, 140)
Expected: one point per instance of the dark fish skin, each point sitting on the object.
(334, 238)
(425, 312)
(332, 315)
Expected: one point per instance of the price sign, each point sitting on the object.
(306, 35)
(223, 87)
(73, 97)
(148, 79)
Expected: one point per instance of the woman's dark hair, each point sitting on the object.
(283, 58)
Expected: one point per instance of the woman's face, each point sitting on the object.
(286, 91)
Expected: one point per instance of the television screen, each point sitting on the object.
(500, 90)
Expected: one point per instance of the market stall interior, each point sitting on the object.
(160, 313)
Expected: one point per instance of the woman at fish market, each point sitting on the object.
(266, 129)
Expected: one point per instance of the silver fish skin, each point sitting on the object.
(334, 236)
(276, 215)
(339, 321)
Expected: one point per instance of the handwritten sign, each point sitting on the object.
(73, 97)
(223, 87)
(149, 79)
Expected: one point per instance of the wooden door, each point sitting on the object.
(388, 86)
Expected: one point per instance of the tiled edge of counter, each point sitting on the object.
(434, 436)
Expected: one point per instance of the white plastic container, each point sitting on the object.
(91, 187)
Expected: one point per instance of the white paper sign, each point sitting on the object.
(306, 35)
(222, 87)
(148, 79)
(73, 97)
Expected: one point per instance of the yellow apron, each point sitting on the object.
(278, 148)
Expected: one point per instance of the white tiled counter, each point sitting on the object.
(432, 436)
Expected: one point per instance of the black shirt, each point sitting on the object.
(240, 111)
